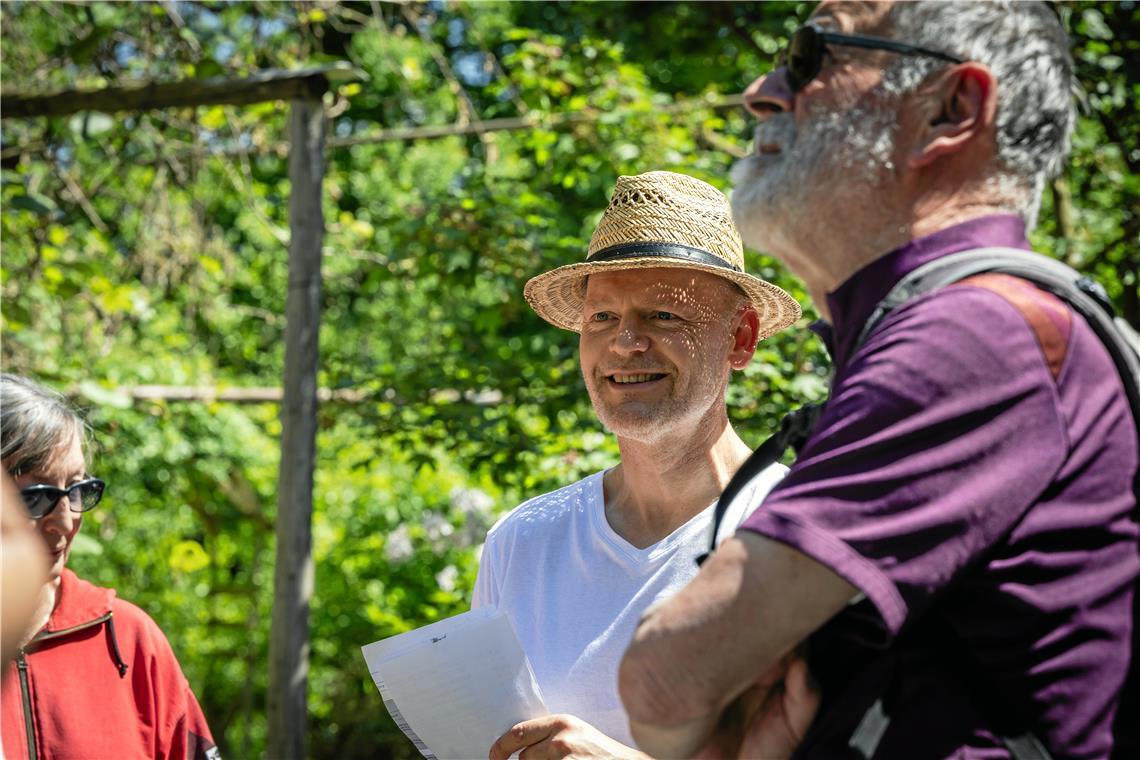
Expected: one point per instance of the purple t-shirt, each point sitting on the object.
(982, 506)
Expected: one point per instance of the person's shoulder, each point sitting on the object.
(762, 482)
(765, 481)
(957, 348)
(983, 302)
(129, 613)
(547, 509)
(132, 620)
(750, 497)
(969, 328)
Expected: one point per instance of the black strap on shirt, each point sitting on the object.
(794, 431)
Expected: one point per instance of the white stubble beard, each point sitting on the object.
(680, 411)
(778, 199)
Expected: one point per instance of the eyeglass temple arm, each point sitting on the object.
(881, 43)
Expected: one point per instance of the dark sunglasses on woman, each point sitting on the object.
(803, 57)
(83, 496)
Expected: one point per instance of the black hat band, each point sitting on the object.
(661, 250)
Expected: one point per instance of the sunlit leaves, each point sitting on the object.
(132, 256)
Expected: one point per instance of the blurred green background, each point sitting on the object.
(150, 248)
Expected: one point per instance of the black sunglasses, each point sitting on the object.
(81, 497)
(803, 57)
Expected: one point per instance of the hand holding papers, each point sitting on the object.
(456, 686)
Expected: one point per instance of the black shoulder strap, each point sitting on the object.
(794, 431)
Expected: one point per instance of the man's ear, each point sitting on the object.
(744, 338)
(965, 107)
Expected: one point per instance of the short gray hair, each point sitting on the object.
(34, 422)
(1026, 47)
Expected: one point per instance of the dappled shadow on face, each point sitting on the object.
(655, 346)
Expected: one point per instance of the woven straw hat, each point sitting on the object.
(660, 219)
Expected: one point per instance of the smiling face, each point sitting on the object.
(58, 529)
(657, 346)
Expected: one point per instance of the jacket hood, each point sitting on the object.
(79, 602)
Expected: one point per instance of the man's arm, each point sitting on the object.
(751, 603)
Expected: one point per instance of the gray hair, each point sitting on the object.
(1027, 49)
(34, 422)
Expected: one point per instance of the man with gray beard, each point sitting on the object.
(956, 546)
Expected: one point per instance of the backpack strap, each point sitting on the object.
(1083, 294)
(1045, 314)
(794, 430)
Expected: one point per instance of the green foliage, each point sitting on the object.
(150, 248)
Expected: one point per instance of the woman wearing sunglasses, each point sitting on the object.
(94, 676)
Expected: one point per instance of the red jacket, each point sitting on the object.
(100, 682)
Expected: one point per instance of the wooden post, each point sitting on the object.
(293, 573)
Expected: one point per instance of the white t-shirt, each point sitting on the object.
(574, 589)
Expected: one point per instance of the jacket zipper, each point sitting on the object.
(25, 690)
(26, 694)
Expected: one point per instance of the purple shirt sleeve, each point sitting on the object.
(939, 435)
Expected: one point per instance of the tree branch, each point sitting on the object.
(467, 111)
(84, 202)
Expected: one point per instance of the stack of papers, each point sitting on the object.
(456, 686)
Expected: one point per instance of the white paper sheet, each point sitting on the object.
(456, 686)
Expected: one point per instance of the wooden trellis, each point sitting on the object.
(287, 703)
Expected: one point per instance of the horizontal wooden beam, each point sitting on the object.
(548, 121)
(208, 394)
(427, 132)
(273, 84)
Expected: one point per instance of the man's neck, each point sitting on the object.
(660, 486)
(829, 257)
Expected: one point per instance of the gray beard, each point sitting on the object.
(776, 198)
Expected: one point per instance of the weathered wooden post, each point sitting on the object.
(293, 574)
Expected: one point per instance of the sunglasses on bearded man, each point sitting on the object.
(803, 57)
(41, 499)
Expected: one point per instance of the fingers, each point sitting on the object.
(801, 700)
(525, 734)
(774, 674)
(541, 751)
(776, 729)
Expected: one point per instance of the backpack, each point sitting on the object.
(1088, 299)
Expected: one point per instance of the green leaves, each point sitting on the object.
(36, 204)
(151, 249)
(188, 557)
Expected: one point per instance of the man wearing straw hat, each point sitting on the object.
(665, 312)
(957, 540)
